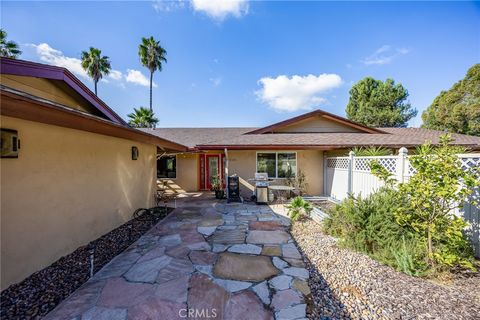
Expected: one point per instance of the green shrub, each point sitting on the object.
(298, 207)
(368, 224)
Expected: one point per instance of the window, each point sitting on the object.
(167, 167)
(277, 165)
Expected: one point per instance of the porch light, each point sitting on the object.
(134, 153)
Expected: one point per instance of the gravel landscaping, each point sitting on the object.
(350, 285)
(38, 294)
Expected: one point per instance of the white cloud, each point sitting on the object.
(220, 9)
(298, 92)
(168, 5)
(55, 57)
(136, 77)
(115, 75)
(216, 81)
(384, 55)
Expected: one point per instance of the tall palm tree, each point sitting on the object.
(8, 49)
(95, 65)
(152, 55)
(142, 118)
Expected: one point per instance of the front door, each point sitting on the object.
(213, 168)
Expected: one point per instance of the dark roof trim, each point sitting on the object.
(307, 115)
(39, 70)
(30, 108)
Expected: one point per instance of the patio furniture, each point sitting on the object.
(163, 197)
(281, 193)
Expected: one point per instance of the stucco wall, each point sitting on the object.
(67, 187)
(243, 163)
(317, 124)
(187, 174)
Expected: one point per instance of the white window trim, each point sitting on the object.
(276, 161)
(176, 163)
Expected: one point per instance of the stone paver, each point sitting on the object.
(217, 260)
(244, 267)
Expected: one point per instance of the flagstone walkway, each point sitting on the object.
(207, 260)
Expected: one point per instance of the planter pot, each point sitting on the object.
(219, 194)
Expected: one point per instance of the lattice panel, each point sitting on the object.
(470, 163)
(363, 164)
(337, 163)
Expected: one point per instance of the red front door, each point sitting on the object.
(213, 168)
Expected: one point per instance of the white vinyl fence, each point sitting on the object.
(351, 175)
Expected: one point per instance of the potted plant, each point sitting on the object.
(217, 187)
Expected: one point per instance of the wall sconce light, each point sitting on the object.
(9, 143)
(134, 153)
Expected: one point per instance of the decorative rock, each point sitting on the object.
(281, 282)
(297, 272)
(244, 267)
(279, 263)
(298, 311)
(154, 253)
(246, 306)
(245, 248)
(147, 271)
(210, 222)
(290, 251)
(229, 236)
(267, 237)
(99, 313)
(174, 290)
(180, 251)
(262, 292)
(204, 294)
(203, 257)
(199, 246)
(232, 285)
(206, 230)
(295, 262)
(204, 269)
(119, 293)
(155, 308)
(301, 286)
(219, 247)
(285, 298)
(170, 240)
(175, 269)
(265, 225)
(272, 251)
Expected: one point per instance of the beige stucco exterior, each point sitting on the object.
(243, 164)
(316, 124)
(66, 188)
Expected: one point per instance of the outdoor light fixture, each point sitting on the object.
(9, 143)
(134, 153)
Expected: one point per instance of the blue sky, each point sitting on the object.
(253, 63)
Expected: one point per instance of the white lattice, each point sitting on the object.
(469, 163)
(363, 164)
(338, 163)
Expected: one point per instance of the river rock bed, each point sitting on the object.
(350, 285)
(38, 294)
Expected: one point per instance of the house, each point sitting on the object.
(297, 144)
(71, 168)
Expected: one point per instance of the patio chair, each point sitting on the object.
(163, 197)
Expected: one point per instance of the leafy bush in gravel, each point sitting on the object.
(368, 224)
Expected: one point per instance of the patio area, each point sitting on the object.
(206, 260)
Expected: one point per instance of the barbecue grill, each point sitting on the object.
(261, 187)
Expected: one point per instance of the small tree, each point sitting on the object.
(439, 186)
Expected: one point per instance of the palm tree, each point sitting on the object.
(8, 49)
(142, 118)
(152, 55)
(95, 65)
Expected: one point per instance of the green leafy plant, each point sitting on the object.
(439, 186)
(371, 151)
(216, 183)
(367, 224)
(298, 208)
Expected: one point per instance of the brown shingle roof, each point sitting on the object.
(218, 138)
